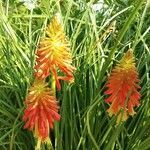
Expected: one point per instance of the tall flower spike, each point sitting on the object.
(53, 54)
(122, 88)
(41, 111)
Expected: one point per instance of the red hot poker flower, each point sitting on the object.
(122, 88)
(41, 111)
(53, 54)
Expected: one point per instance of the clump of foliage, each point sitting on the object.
(98, 40)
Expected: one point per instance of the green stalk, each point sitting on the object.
(141, 24)
(56, 128)
(53, 85)
(88, 124)
(49, 145)
(30, 41)
(38, 146)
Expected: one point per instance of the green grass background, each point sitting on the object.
(84, 124)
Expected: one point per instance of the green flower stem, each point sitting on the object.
(88, 124)
(53, 85)
(49, 145)
(30, 41)
(38, 146)
(137, 37)
(56, 127)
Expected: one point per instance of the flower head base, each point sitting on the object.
(122, 88)
(41, 111)
(53, 54)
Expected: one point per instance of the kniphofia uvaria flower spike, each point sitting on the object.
(123, 88)
(53, 54)
(41, 110)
